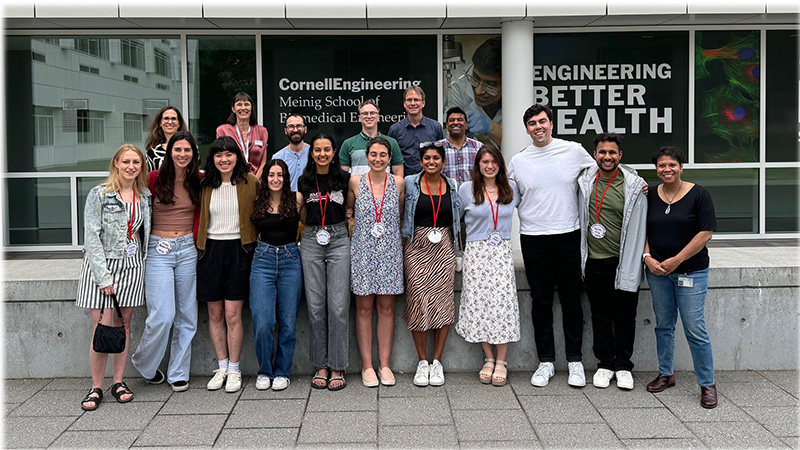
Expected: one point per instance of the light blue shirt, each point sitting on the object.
(295, 161)
(478, 218)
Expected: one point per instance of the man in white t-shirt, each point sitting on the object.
(546, 173)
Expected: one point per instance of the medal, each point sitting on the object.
(495, 238)
(435, 236)
(323, 237)
(130, 250)
(377, 230)
(598, 231)
(163, 247)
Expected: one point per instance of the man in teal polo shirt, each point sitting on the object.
(353, 153)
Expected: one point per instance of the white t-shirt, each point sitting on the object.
(547, 178)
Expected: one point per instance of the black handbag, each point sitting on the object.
(110, 339)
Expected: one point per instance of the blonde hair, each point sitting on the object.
(113, 183)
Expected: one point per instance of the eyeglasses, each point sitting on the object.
(437, 144)
(295, 127)
(369, 113)
(488, 86)
(413, 100)
(169, 119)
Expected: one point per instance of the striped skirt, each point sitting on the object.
(127, 276)
(430, 270)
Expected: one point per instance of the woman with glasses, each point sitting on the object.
(431, 221)
(243, 128)
(167, 122)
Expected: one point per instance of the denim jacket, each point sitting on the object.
(413, 191)
(106, 230)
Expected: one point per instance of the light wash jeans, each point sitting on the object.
(326, 271)
(668, 300)
(171, 292)
(276, 282)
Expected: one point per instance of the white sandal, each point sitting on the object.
(485, 374)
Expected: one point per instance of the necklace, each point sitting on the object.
(673, 197)
(492, 190)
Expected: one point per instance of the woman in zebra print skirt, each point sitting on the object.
(116, 230)
(431, 221)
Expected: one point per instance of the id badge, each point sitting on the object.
(685, 282)
(163, 247)
(130, 250)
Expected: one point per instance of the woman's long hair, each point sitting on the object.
(156, 135)
(337, 179)
(504, 195)
(112, 183)
(165, 180)
(212, 177)
(244, 96)
(288, 204)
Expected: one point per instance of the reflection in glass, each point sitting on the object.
(84, 186)
(38, 211)
(782, 196)
(783, 92)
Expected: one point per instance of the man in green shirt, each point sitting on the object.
(353, 153)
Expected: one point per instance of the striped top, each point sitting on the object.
(223, 213)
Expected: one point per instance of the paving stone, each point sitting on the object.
(756, 394)
(414, 411)
(632, 423)
(559, 409)
(738, 376)
(404, 387)
(433, 436)
(793, 442)
(201, 381)
(117, 416)
(198, 401)
(144, 392)
(343, 446)
(521, 383)
(735, 435)
(298, 388)
(73, 384)
(28, 432)
(95, 439)
(657, 444)
(493, 425)
(686, 408)
(17, 391)
(478, 396)
(51, 403)
(614, 397)
(483, 445)
(576, 435)
(785, 379)
(257, 438)
(684, 381)
(779, 420)
(267, 414)
(354, 397)
(339, 427)
(183, 431)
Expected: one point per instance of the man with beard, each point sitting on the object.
(295, 155)
(459, 149)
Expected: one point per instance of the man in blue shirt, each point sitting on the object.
(295, 155)
(415, 128)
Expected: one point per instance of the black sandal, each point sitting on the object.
(118, 393)
(317, 376)
(95, 401)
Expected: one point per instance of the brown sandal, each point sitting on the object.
(500, 375)
(486, 372)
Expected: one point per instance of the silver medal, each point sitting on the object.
(495, 238)
(323, 237)
(598, 231)
(377, 230)
(163, 247)
(435, 236)
(130, 250)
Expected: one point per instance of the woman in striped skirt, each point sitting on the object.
(431, 221)
(116, 230)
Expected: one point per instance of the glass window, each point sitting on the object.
(782, 197)
(734, 192)
(133, 128)
(783, 92)
(42, 126)
(93, 46)
(133, 53)
(163, 63)
(90, 127)
(41, 211)
(84, 186)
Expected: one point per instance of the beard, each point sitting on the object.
(296, 138)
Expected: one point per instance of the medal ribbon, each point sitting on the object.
(430, 194)
(600, 205)
(133, 211)
(378, 214)
(321, 211)
(495, 215)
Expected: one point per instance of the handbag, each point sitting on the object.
(109, 339)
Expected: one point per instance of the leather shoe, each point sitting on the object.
(661, 382)
(708, 396)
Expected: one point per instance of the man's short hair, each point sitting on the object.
(454, 110)
(366, 102)
(416, 89)
(535, 110)
(487, 57)
(609, 137)
(670, 152)
(294, 114)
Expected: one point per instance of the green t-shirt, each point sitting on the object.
(353, 153)
(611, 210)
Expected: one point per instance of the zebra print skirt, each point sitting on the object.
(430, 270)
(127, 275)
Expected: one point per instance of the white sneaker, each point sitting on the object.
(577, 377)
(624, 379)
(602, 378)
(437, 373)
(280, 383)
(421, 377)
(234, 382)
(543, 374)
(262, 382)
(218, 380)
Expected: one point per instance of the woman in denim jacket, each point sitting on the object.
(116, 231)
(431, 222)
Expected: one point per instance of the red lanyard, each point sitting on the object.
(600, 205)
(133, 211)
(495, 215)
(378, 214)
(321, 211)
(430, 194)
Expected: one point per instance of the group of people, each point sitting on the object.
(381, 216)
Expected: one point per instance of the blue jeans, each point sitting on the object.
(668, 300)
(171, 292)
(276, 282)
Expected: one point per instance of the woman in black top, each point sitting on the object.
(680, 221)
(276, 277)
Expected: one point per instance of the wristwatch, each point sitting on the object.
(645, 256)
